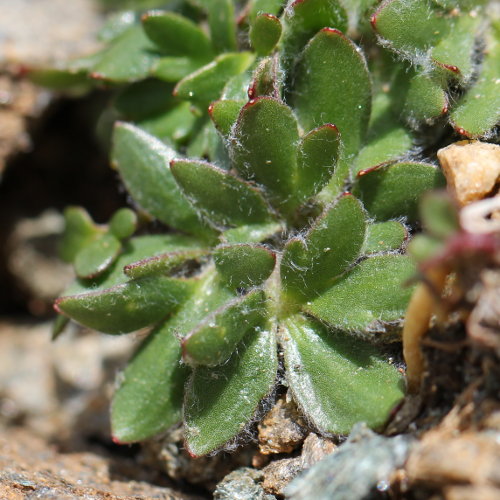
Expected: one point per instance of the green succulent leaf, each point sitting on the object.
(478, 110)
(243, 266)
(224, 114)
(410, 27)
(218, 195)
(328, 249)
(172, 127)
(304, 18)
(173, 69)
(384, 237)
(262, 124)
(333, 70)
(213, 341)
(454, 52)
(126, 307)
(162, 264)
(206, 84)
(387, 139)
(61, 79)
(338, 380)
(79, 231)
(267, 79)
(265, 32)
(368, 296)
(142, 99)
(221, 400)
(129, 58)
(143, 162)
(257, 7)
(317, 156)
(134, 250)
(151, 389)
(123, 223)
(221, 23)
(393, 191)
(97, 256)
(425, 100)
(176, 35)
(251, 233)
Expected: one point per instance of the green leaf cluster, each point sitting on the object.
(288, 180)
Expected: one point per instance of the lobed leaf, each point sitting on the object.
(384, 237)
(79, 231)
(333, 70)
(213, 341)
(263, 124)
(338, 380)
(393, 191)
(97, 256)
(220, 401)
(304, 18)
(219, 196)
(368, 296)
(332, 244)
(243, 266)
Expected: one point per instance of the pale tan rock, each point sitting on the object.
(472, 170)
(282, 429)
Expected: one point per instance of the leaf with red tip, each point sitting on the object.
(332, 69)
(304, 18)
(221, 400)
(317, 158)
(265, 32)
(266, 79)
(334, 242)
(393, 191)
(127, 307)
(264, 146)
(218, 195)
(478, 110)
(387, 139)
(224, 114)
(454, 52)
(425, 101)
(162, 264)
(213, 341)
